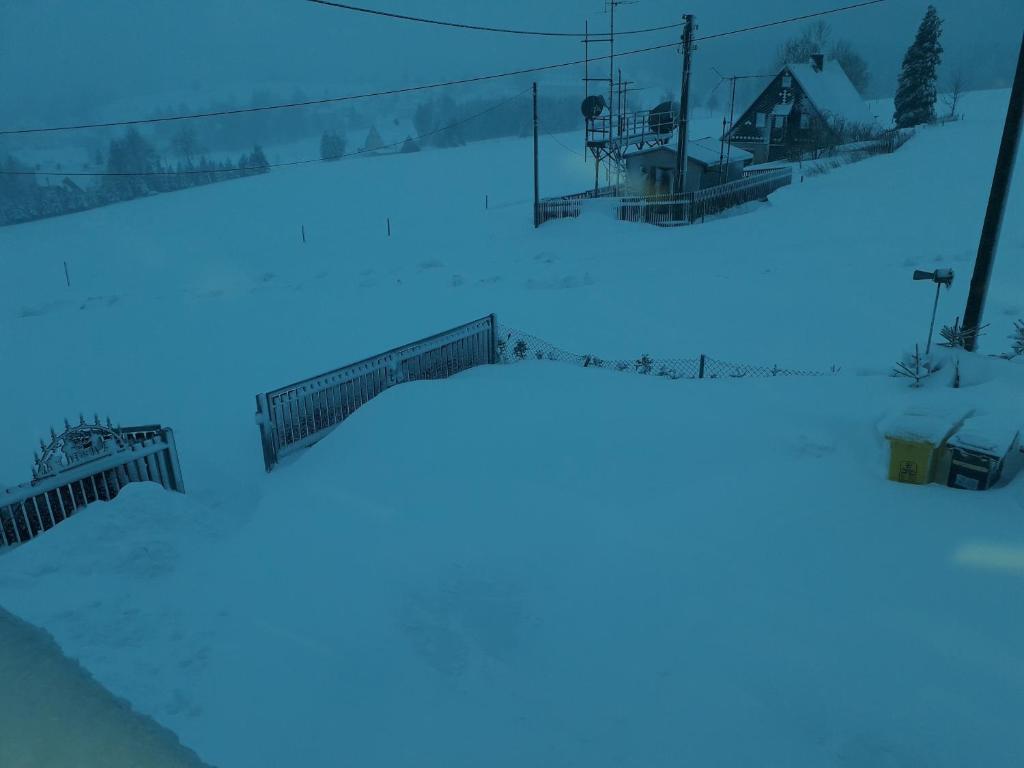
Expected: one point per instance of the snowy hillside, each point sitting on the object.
(531, 564)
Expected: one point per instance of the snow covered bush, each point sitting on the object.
(1017, 337)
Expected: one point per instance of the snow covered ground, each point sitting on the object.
(531, 564)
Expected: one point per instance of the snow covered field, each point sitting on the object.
(533, 564)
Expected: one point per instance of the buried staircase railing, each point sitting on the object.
(299, 415)
(84, 464)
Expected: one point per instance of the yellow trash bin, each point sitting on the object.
(917, 444)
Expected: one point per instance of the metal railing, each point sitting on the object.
(294, 417)
(149, 455)
(570, 206)
(706, 202)
(691, 207)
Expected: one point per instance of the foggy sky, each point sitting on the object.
(63, 60)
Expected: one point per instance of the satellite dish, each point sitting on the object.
(662, 118)
(593, 106)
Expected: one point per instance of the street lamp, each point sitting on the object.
(941, 277)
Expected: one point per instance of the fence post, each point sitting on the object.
(494, 340)
(263, 420)
(701, 374)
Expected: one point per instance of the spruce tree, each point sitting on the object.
(332, 146)
(915, 94)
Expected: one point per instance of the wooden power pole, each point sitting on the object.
(684, 104)
(996, 206)
(536, 162)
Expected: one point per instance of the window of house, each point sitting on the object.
(760, 120)
(787, 81)
(805, 121)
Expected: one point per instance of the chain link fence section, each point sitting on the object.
(513, 346)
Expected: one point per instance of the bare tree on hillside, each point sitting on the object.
(954, 92)
(185, 144)
(816, 37)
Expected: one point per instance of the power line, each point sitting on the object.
(790, 20)
(320, 102)
(414, 88)
(475, 27)
(286, 164)
(561, 144)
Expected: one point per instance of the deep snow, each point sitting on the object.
(530, 564)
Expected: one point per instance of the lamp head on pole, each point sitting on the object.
(939, 276)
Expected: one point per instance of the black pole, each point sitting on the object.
(931, 328)
(996, 205)
(684, 105)
(536, 162)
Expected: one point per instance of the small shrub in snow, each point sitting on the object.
(1017, 337)
(644, 365)
(519, 350)
(955, 336)
(912, 367)
(501, 350)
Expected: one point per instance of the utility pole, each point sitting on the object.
(586, 75)
(732, 122)
(684, 104)
(611, 74)
(996, 205)
(536, 162)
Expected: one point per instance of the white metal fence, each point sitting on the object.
(294, 417)
(147, 454)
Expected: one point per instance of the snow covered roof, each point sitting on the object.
(831, 92)
(989, 435)
(704, 151)
(932, 424)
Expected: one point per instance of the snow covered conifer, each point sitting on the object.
(256, 162)
(915, 93)
(332, 146)
(373, 140)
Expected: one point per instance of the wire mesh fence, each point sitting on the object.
(513, 346)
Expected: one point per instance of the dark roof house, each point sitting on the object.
(804, 107)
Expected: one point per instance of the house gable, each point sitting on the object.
(806, 100)
(783, 91)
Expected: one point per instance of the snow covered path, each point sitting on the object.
(56, 716)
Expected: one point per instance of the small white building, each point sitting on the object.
(652, 170)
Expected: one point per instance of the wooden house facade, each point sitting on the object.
(805, 107)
